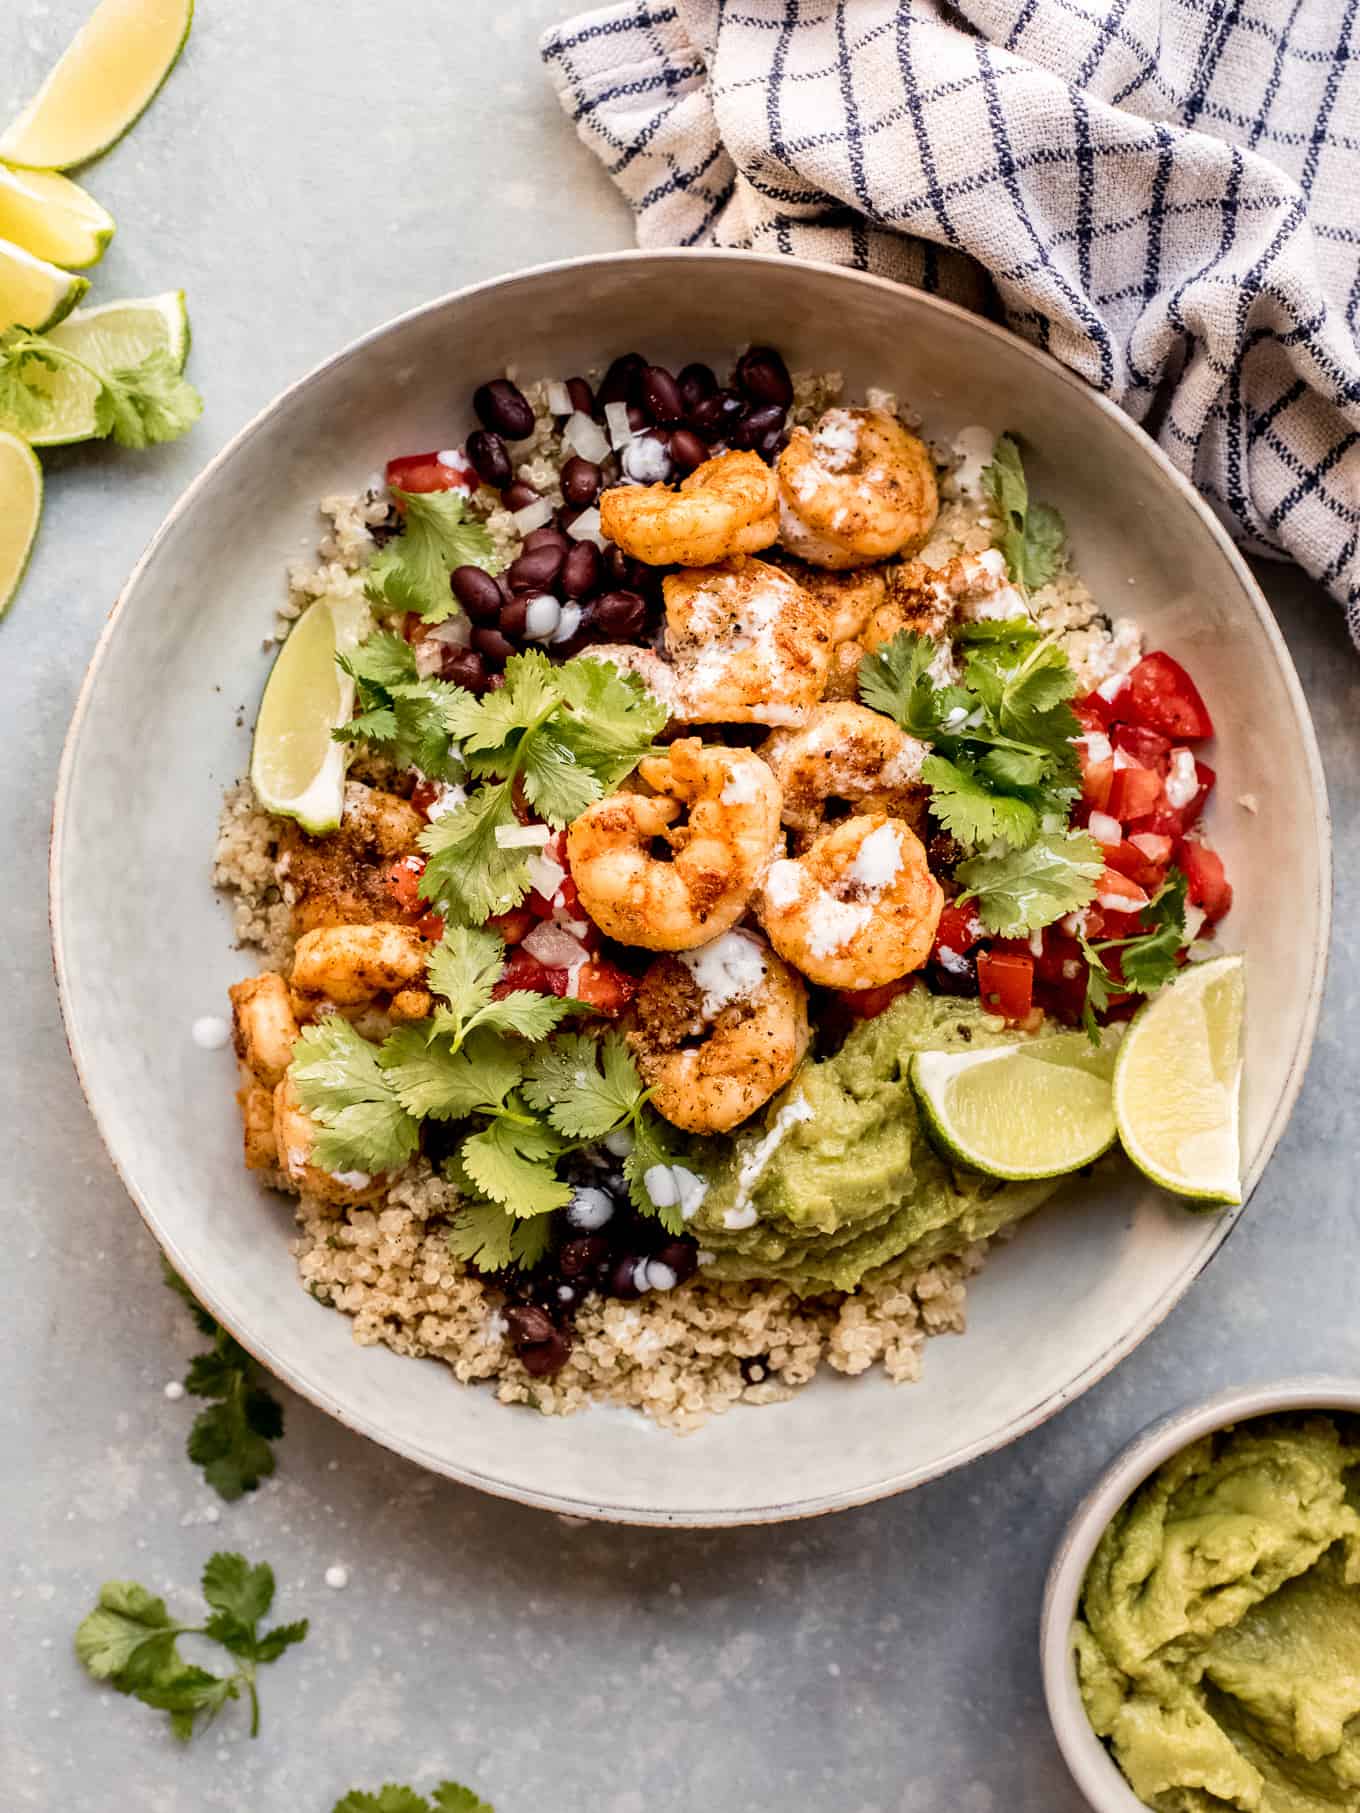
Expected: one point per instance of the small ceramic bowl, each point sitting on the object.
(1093, 1768)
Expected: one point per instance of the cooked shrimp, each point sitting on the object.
(849, 755)
(729, 505)
(847, 597)
(928, 600)
(655, 672)
(747, 643)
(715, 855)
(719, 1031)
(858, 908)
(353, 965)
(257, 1123)
(294, 1138)
(855, 489)
(341, 878)
(264, 1027)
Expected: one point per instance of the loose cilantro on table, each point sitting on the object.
(448, 1797)
(412, 572)
(1147, 959)
(565, 736)
(139, 405)
(131, 1641)
(1020, 891)
(400, 712)
(1033, 536)
(230, 1439)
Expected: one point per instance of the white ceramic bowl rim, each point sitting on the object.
(1093, 1768)
(314, 1389)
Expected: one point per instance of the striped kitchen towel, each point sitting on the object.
(1163, 193)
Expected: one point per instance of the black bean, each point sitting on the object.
(623, 381)
(763, 375)
(488, 454)
(511, 620)
(713, 417)
(582, 396)
(549, 536)
(542, 1358)
(697, 382)
(687, 450)
(628, 573)
(682, 1256)
(583, 1257)
(491, 645)
(620, 614)
(580, 574)
(622, 1278)
(478, 593)
(467, 669)
(756, 424)
(770, 445)
(528, 1324)
(519, 495)
(580, 481)
(504, 408)
(661, 396)
(532, 571)
(638, 419)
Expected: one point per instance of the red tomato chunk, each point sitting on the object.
(1006, 983)
(424, 472)
(1163, 697)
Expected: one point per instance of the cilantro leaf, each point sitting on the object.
(464, 968)
(654, 1143)
(230, 1439)
(362, 1125)
(433, 1081)
(611, 720)
(486, 1235)
(24, 406)
(971, 809)
(144, 404)
(453, 1797)
(242, 1593)
(1147, 960)
(1033, 536)
(587, 1087)
(412, 572)
(400, 712)
(448, 1797)
(128, 1625)
(895, 680)
(513, 1161)
(469, 876)
(1020, 891)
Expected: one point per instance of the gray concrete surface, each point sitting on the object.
(309, 170)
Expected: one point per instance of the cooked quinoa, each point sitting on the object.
(682, 1355)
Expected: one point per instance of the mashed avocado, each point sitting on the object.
(1219, 1645)
(838, 1179)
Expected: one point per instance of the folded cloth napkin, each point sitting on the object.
(1165, 194)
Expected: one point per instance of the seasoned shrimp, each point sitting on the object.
(294, 1137)
(747, 643)
(858, 908)
(928, 600)
(348, 966)
(264, 1027)
(847, 597)
(718, 1031)
(341, 878)
(855, 489)
(849, 755)
(715, 856)
(729, 505)
(257, 1124)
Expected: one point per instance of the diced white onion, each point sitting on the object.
(559, 399)
(585, 437)
(1182, 782)
(1152, 846)
(522, 837)
(533, 516)
(568, 624)
(542, 615)
(587, 527)
(616, 415)
(1118, 903)
(1110, 689)
(545, 875)
(1106, 830)
(1097, 745)
(553, 947)
(456, 632)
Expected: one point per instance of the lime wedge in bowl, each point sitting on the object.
(1037, 1109)
(112, 337)
(102, 81)
(33, 293)
(1178, 1080)
(21, 495)
(296, 767)
(52, 217)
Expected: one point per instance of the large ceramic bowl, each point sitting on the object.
(143, 946)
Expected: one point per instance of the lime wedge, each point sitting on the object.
(112, 337)
(33, 293)
(1177, 1082)
(1039, 1109)
(21, 494)
(296, 768)
(102, 81)
(52, 217)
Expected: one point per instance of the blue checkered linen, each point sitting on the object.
(1165, 194)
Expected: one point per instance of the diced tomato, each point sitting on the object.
(514, 926)
(1206, 777)
(1058, 951)
(1006, 983)
(1090, 713)
(1134, 792)
(1207, 883)
(1102, 711)
(427, 472)
(1162, 696)
(869, 1003)
(1162, 821)
(1148, 748)
(959, 930)
(1097, 778)
(538, 904)
(403, 882)
(1113, 889)
(524, 971)
(1133, 863)
(604, 986)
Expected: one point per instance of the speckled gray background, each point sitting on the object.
(310, 170)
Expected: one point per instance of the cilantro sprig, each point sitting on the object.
(392, 1797)
(230, 1438)
(1033, 536)
(131, 1641)
(1147, 958)
(139, 405)
(1021, 891)
(400, 712)
(362, 1125)
(412, 572)
(565, 736)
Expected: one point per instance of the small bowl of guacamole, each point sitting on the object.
(1201, 1624)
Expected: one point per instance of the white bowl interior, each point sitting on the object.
(143, 946)
(1093, 1768)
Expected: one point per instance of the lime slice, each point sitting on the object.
(1177, 1082)
(1039, 1109)
(102, 81)
(296, 767)
(52, 217)
(33, 293)
(112, 337)
(21, 493)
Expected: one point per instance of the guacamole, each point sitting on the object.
(838, 1179)
(1218, 1648)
